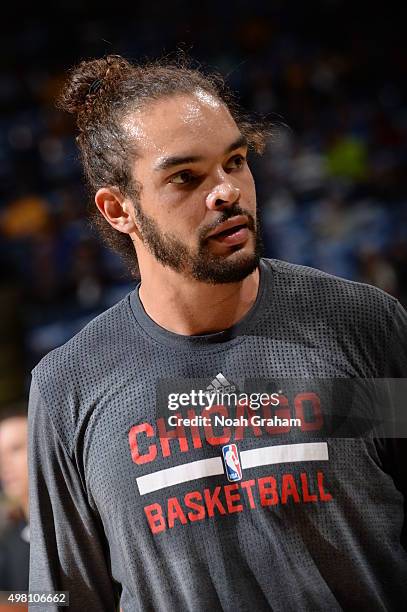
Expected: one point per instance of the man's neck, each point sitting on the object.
(190, 307)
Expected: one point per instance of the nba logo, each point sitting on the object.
(232, 463)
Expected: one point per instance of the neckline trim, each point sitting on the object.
(228, 337)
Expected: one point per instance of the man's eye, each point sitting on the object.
(236, 162)
(182, 178)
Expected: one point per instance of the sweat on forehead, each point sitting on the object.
(176, 120)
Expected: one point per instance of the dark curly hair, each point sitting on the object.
(101, 92)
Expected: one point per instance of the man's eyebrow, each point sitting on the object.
(241, 141)
(177, 160)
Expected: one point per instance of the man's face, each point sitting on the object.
(196, 212)
(13, 457)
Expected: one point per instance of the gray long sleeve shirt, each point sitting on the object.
(126, 507)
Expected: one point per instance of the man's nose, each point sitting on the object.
(223, 195)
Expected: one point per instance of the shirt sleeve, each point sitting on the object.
(396, 448)
(397, 344)
(68, 549)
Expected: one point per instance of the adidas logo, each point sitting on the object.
(220, 384)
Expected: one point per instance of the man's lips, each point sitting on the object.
(230, 227)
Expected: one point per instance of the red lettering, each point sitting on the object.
(241, 409)
(323, 495)
(210, 436)
(306, 496)
(213, 501)
(155, 518)
(267, 488)
(232, 497)
(247, 485)
(282, 412)
(175, 512)
(188, 500)
(173, 434)
(289, 488)
(135, 453)
(196, 438)
(317, 421)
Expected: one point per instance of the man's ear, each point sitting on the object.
(116, 209)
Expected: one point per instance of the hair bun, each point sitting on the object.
(87, 79)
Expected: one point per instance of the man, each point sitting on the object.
(14, 543)
(123, 503)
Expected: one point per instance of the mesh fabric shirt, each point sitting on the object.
(125, 508)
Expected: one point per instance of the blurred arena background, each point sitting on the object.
(331, 186)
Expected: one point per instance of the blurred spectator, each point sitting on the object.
(14, 542)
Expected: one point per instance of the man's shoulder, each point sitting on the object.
(321, 290)
(94, 346)
(299, 271)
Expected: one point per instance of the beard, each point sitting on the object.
(201, 264)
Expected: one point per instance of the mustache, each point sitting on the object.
(228, 213)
